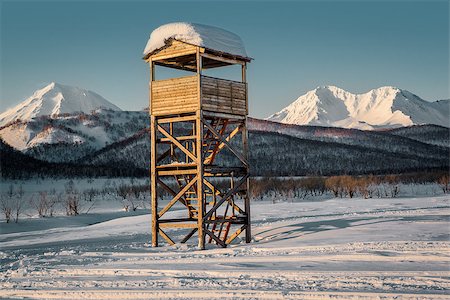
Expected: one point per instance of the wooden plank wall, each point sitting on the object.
(180, 95)
(226, 96)
(172, 96)
(175, 49)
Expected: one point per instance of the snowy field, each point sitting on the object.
(331, 248)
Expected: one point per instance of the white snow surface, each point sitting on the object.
(55, 99)
(384, 107)
(206, 36)
(323, 249)
(55, 136)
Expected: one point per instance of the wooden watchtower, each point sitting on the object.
(199, 147)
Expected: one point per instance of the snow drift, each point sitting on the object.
(196, 34)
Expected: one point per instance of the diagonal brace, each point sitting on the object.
(167, 188)
(178, 196)
(222, 144)
(212, 187)
(177, 143)
(226, 196)
(234, 151)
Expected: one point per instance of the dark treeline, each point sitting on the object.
(274, 154)
(15, 165)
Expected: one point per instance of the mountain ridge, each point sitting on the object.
(383, 107)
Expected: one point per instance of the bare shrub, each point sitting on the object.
(71, 199)
(315, 186)
(6, 207)
(123, 191)
(444, 182)
(18, 203)
(72, 205)
(43, 204)
(89, 194)
(349, 185)
(393, 183)
(334, 185)
(11, 203)
(365, 186)
(257, 190)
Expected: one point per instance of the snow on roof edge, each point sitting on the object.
(210, 37)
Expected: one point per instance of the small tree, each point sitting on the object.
(6, 207)
(18, 204)
(349, 185)
(444, 182)
(365, 187)
(333, 184)
(72, 200)
(393, 183)
(72, 205)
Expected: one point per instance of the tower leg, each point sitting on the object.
(200, 194)
(153, 174)
(248, 229)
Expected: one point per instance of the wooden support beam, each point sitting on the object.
(212, 187)
(229, 146)
(177, 143)
(177, 197)
(226, 196)
(176, 119)
(175, 65)
(219, 221)
(212, 114)
(214, 237)
(179, 138)
(162, 156)
(222, 144)
(223, 59)
(200, 193)
(235, 235)
(166, 237)
(176, 165)
(189, 235)
(153, 177)
(248, 228)
(178, 225)
(159, 58)
(177, 220)
(172, 192)
(176, 172)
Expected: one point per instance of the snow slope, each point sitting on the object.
(196, 34)
(331, 249)
(384, 107)
(68, 137)
(56, 99)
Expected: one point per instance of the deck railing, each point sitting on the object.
(180, 95)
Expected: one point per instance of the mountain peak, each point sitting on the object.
(55, 99)
(383, 107)
(328, 87)
(388, 88)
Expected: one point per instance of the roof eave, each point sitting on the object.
(167, 43)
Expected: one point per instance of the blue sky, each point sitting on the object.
(297, 46)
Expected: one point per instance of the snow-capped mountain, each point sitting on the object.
(70, 136)
(384, 107)
(53, 100)
(61, 123)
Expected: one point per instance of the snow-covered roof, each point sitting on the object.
(206, 36)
